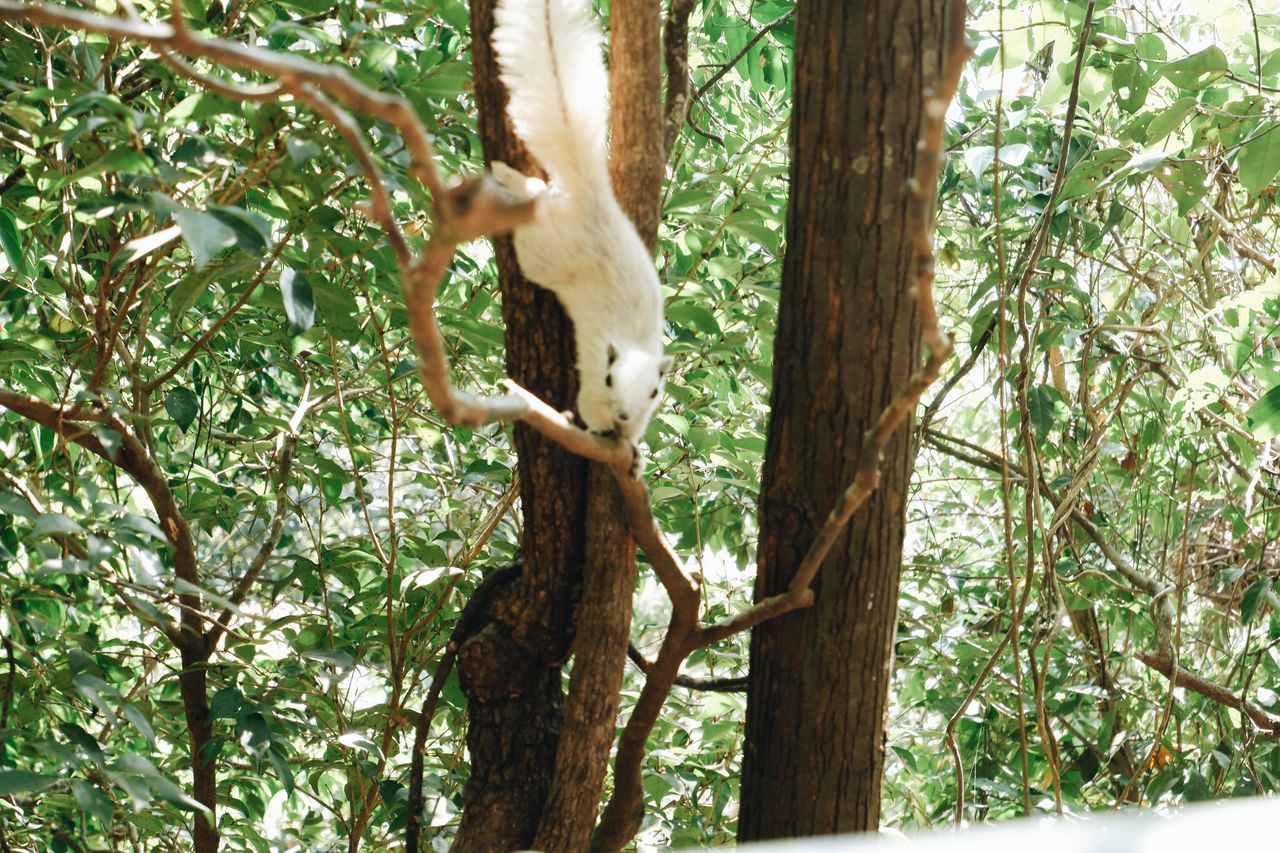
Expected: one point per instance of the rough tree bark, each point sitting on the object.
(636, 157)
(814, 750)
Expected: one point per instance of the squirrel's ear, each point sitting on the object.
(613, 353)
(664, 366)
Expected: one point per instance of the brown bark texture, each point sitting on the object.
(193, 685)
(637, 160)
(818, 690)
(510, 670)
(595, 682)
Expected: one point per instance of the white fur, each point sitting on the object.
(581, 246)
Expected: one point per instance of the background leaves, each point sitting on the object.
(225, 241)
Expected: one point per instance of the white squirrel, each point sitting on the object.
(580, 246)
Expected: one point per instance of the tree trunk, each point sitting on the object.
(847, 339)
(511, 670)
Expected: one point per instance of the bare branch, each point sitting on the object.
(1267, 722)
(728, 684)
(225, 88)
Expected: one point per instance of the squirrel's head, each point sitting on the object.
(634, 379)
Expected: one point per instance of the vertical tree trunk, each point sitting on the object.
(511, 670)
(636, 158)
(847, 338)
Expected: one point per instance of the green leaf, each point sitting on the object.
(1252, 599)
(340, 661)
(299, 301)
(11, 243)
(171, 793)
(1131, 85)
(301, 150)
(1169, 118)
(190, 288)
(143, 246)
(1092, 172)
(225, 703)
(1263, 417)
(355, 740)
(691, 314)
(337, 310)
(140, 722)
(1188, 183)
(1259, 159)
(16, 506)
(93, 801)
(445, 81)
(1046, 407)
(281, 765)
(82, 739)
(205, 234)
(253, 233)
(55, 522)
(255, 725)
(1150, 47)
(24, 782)
(194, 284)
(1198, 70)
(119, 160)
(182, 405)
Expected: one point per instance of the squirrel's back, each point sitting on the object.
(549, 53)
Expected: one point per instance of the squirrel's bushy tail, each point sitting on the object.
(549, 56)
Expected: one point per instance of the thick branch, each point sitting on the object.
(637, 161)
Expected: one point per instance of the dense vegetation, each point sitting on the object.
(1106, 230)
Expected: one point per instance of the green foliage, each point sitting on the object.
(1149, 351)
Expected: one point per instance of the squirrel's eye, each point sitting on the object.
(608, 380)
(654, 394)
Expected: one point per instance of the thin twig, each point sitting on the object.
(728, 684)
(752, 42)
